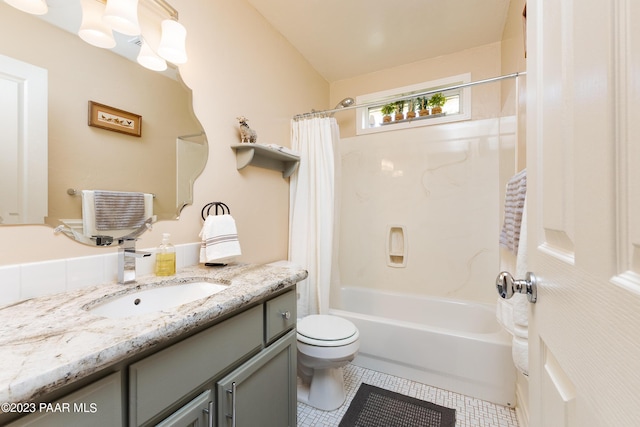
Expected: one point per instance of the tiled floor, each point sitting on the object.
(470, 412)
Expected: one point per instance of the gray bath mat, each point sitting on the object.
(376, 407)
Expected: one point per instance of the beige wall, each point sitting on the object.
(238, 65)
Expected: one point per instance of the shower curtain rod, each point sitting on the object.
(413, 95)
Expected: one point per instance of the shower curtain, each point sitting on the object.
(312, 209)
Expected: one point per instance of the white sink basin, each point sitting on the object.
(155, 299)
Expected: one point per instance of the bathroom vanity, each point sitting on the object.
(225, 360)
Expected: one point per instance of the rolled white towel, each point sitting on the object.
(520, 305)
(520, 352)
(504, 314)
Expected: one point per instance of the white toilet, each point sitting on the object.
(325, 344)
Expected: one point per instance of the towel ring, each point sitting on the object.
(218, 205)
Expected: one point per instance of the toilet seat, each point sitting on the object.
(326, 331)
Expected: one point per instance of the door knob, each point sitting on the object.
(506, 286)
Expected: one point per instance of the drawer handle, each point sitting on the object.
(232, 391)
(286, 315)
(209, 412)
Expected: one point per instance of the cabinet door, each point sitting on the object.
(197, 413)
(262, 392)
(98, 404)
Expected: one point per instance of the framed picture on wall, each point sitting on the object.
(113, 119)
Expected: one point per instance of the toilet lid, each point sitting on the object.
(325, 328)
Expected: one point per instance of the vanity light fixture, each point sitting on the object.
(149, 59)
(122, 16)
(172, 42)
(93, 29)
(35, 7)
(101, 17)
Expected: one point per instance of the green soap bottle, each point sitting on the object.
(166, 257)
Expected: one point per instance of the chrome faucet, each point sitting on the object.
(127, 255)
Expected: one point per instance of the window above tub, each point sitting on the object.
(456, 108)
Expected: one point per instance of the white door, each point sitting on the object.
(23, 142)
(583, 167)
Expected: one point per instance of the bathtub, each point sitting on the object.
(454, 345)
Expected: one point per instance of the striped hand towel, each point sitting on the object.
(219, 239)
(118, 210)
(513, 210)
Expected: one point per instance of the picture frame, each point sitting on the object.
(113, 119)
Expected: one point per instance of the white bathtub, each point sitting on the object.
(445, 343)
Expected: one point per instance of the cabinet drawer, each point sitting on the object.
(280, 315)
(167, 376)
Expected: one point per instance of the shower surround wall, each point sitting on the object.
(441, 183)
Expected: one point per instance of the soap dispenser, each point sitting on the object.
(166, 257)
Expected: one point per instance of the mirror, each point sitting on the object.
(163, 161)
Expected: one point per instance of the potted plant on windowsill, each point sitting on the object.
(386, 111)
(436, 102)
(399, 110)
(412, 109)
(423, 106)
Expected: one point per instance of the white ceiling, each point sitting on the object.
(347, 38)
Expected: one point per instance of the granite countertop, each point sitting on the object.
(51, 341)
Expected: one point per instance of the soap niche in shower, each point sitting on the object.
(396, 246)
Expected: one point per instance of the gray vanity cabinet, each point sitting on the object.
(245, 365)
(262, 392)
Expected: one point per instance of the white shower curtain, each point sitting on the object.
(312, 209)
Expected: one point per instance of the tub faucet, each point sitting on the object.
(127, 255)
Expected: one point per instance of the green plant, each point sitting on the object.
(437, 100)
(387, 109)
(399, 107)
(423, 102)
(412, 104)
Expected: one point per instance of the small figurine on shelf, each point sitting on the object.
(246, 133)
